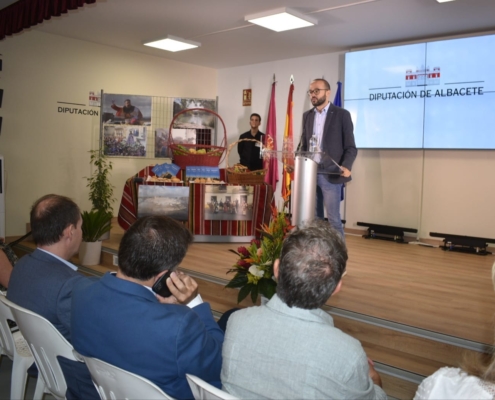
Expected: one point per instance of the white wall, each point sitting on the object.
(433, 191)
(46, 151)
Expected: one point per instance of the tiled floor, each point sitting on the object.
(5, 373)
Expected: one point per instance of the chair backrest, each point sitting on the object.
(112, 382)
(46, 343)
(7, 345)
(202, 390)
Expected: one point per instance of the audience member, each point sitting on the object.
(289, 348)
(475, 379)
(43, 280)
(120, 320)
(7, 262)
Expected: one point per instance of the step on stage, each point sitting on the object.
(414, 308)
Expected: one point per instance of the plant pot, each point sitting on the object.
(90, 253)
(105, 236)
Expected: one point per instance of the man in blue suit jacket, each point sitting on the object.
(120, 320)
(334, 132)
(43, 280)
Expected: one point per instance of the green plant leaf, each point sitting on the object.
(244, 292)
(267, 287)
(254, 293)
(95, 223)
(235, 252)
(100, 188)
(237, 281)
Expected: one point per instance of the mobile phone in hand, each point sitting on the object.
(160, 287)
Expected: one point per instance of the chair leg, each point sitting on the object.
(40, 388)
(18, 379)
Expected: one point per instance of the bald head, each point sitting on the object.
(50, 216)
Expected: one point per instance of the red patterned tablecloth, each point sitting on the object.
(198, 225)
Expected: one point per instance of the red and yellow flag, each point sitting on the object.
(287, 149)
(270, 164)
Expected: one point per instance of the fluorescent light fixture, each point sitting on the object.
(281, 19)
(173, 43)
(444, 1)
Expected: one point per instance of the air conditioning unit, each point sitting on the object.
(2, 198)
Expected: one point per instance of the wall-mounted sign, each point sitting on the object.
(246, 97)
(94, 99)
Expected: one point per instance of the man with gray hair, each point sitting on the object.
(289, 348)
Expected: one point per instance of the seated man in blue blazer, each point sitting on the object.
(43, 280)
(120, 320)
(290, 348)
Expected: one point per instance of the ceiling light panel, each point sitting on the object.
(173, 43)
(282, 19)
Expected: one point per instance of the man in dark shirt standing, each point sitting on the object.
(249, 152)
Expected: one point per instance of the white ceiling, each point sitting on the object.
(228, 41)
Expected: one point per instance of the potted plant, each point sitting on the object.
(100, 188)
(95, 223)
(254, 267)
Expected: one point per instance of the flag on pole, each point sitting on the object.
(338, 97)
(288, 148)
(338, 102)
(270, 164)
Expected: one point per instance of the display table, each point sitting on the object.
(201, 223)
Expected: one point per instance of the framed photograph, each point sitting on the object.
(172, 201)
(162, 149)
(124, 140)
(224, 202)
(194, 119)
(123, 109)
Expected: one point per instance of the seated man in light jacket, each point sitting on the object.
(289, 348)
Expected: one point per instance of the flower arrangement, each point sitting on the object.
(254, 268)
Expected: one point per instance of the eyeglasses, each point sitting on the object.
(316, 91)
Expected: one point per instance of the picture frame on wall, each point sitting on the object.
(194, 119)
(124, 109)
(124, 140)
(162, 149)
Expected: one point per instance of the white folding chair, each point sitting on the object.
(112, 382)
(202, 390)
(46, 344)
(15, 347)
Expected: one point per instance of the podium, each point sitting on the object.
(307, 164)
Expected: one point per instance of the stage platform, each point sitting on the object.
(414, 308)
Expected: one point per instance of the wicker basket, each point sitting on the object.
(244, 178)
(213, 155)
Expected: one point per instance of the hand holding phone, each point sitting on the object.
(160, 287)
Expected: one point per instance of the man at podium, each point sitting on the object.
(330, 130)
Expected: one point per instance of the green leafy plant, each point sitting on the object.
(254, 268)
(94, 224)
(100, 188)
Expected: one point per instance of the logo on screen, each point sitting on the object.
(423, 77)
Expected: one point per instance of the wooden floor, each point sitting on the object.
(445, 292)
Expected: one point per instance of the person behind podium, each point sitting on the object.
(120, 320)
(249, 152)
(290, 348)
(332, 128)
